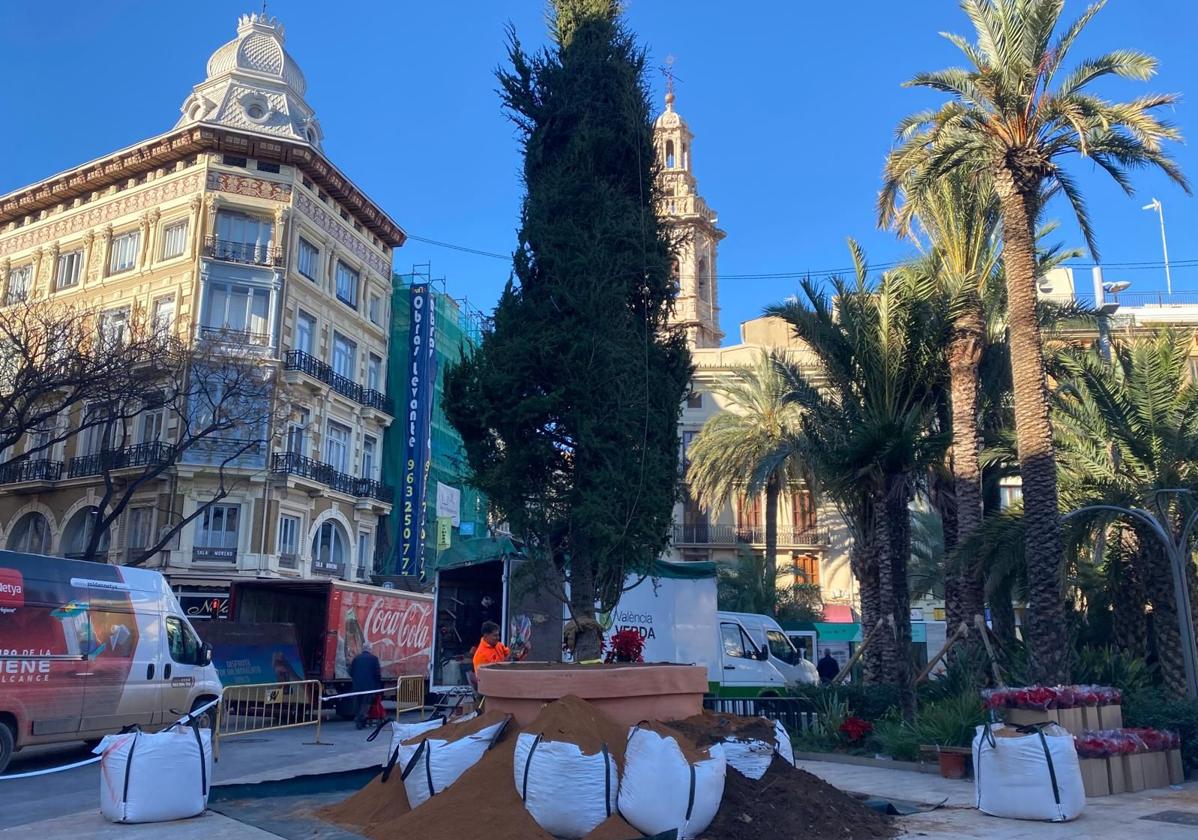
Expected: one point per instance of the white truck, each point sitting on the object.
(674, 610)
(768, 633)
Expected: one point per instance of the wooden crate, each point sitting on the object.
(1177, 773)
(1095, 777)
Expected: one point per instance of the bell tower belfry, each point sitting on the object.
(696, 309)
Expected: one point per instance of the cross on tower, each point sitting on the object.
(667, 70)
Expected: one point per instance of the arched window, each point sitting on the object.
(701, 280)
(329, 548)
(31, 534)
(78, 531)
(686, 156)
(669, 154)
(675, 276)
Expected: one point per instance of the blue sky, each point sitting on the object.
(792, 105)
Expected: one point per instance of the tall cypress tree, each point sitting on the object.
(569, 408)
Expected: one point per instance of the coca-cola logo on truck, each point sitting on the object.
(409, 627)
(12, 590)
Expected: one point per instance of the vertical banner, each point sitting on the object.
(418, 410)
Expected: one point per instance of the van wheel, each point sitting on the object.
(208, 719)
(7, 745)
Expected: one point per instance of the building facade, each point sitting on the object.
(232, 229)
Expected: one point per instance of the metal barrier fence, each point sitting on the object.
(256, 708)
(793, 712)
(409, 694)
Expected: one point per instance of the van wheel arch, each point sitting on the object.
(208, 719)
(8, 739)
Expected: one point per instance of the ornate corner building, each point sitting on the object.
(232, 228)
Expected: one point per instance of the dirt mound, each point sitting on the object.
(483, 803)
(377, 802)
(709, 728)
(788, 802)
(693, 752)
(576, 721)
(613, 828)
(451, 732)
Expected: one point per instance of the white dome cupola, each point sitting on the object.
(254, 84)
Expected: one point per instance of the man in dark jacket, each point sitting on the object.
(367, 676)
(828, 668)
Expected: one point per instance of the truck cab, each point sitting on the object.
(767, 634)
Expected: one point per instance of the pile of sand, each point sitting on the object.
(710, 728)
(575, 720)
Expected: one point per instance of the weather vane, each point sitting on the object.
(667, 70)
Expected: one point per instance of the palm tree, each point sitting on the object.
(1128, 429)
(752, 446)
(868, 423)
(960, 218)
(1010, 121)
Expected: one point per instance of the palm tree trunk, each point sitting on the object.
(1048, 658)
(773, 489)
(965, 356)
(1166, 634)
(894, 548)
(863, 559)
(1128, 598)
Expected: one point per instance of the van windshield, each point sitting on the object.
(781, 647)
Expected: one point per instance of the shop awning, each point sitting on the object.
(472, 552)
(829, 631)
(839, 614)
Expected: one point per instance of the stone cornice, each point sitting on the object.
(176, 145)
(345, 241)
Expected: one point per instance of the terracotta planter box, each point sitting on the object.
(627, 693)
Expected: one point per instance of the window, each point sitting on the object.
(41, 435)
(806, 569)
(114, 327)
(218, 527)
(336, 446)
(164, 315)
(1009, 494)
(344, 352)
(735, 642)
(141, 527)
(66, 272)
(781, 647)
(289, 527)
(694, 400)
(18, 284)
(237, 309)
(369, 445)
(305, 330)
(375, 310)
(31, 534)
(328, 548)
(748, 515)
(374, 373)
(174, 239)
(234, 160)
(347, 284)
(152, 422)
(1193, 365)
(241, 237)
(364, 558)
(308, 259)
(96, 429)
(185, 648)
(802, 509)
(267, 167)
(122, 253)
(297, 433)
(669, 154)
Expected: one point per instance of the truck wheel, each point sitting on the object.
(208, 719)
(346, 708)
(7, 745)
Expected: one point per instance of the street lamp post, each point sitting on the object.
(1177, 550)
(1160, 211)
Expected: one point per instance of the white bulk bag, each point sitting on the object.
(540, 767)
(401, 732)
(749, 756)
(155, 777)
(784, 746)
(434, 764)
(661, 790)
(1032, 776)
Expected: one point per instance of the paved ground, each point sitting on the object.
(72, 797)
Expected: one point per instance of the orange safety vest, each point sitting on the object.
(488, 654)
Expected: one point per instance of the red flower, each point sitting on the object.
(627, 645)
(854, 729)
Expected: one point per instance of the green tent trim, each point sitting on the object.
(685, 570)
(473, 552)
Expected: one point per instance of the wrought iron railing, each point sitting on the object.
(292, 463)
(39, 469)
(153, 453)
(702, 534)
(239, 338)
(250, 253)
(314, 367)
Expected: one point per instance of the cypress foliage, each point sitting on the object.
(569, 408)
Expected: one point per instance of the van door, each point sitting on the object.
(122, 689)
(741, 669)
(181, 664)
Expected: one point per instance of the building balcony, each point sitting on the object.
(301, 466)
(246, 253)
(234, 337)
(40, 470)
(305, 363)
(730, 535)
(109, 460)
(289, 561)
(225, 451)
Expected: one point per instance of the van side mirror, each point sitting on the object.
(763, 654)
(206, 654)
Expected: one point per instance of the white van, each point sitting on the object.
(87, 649)
(674, 610)
(768, 634)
